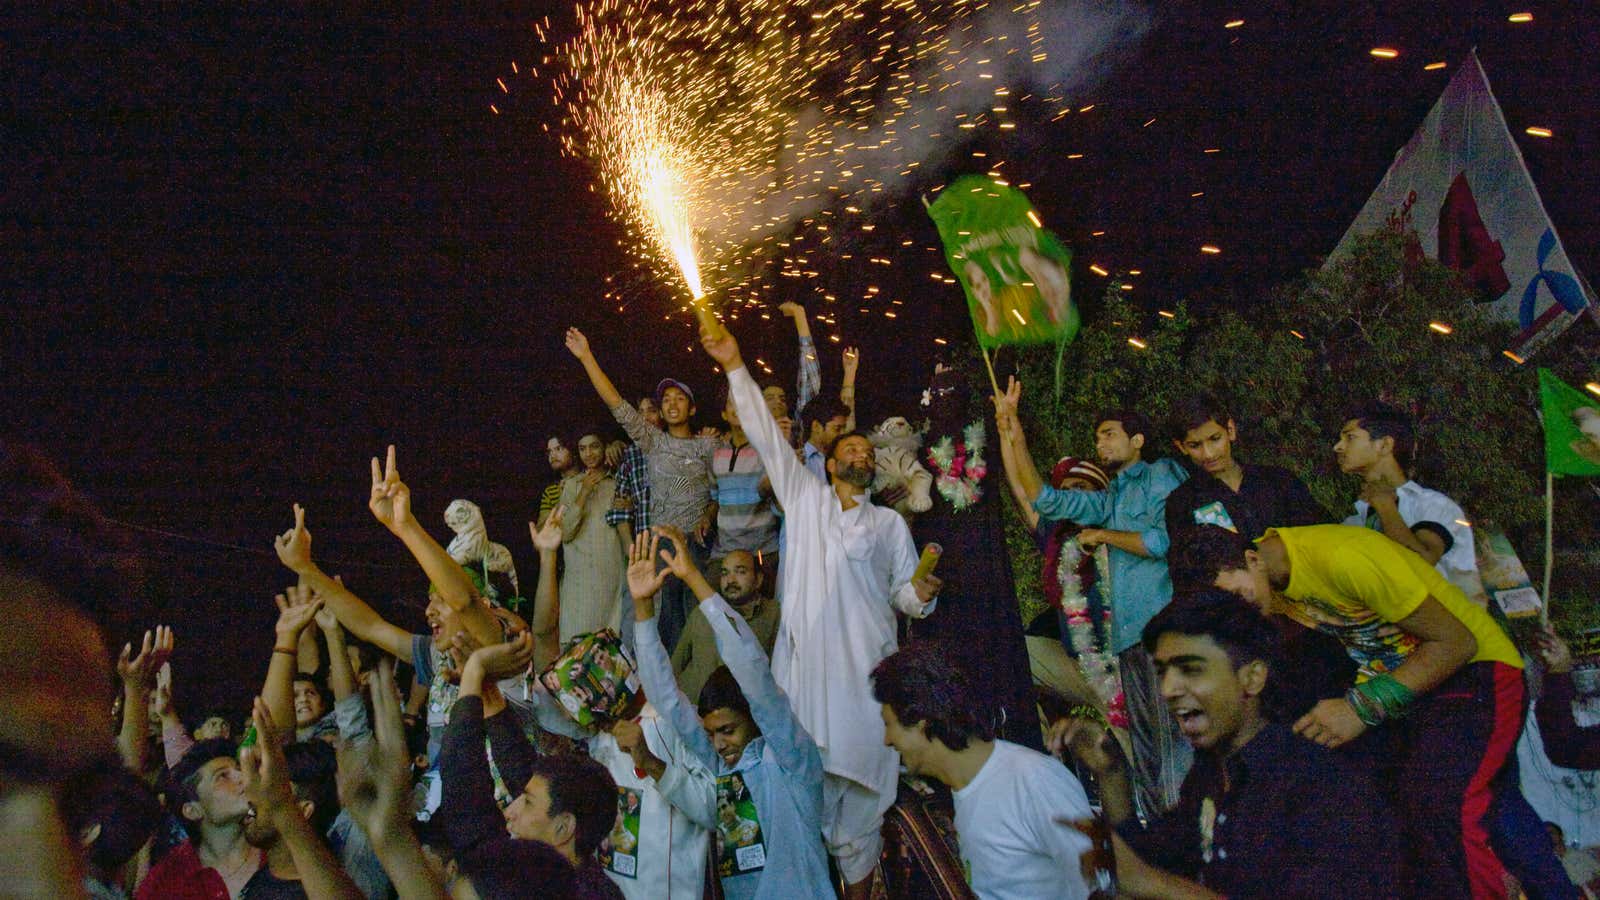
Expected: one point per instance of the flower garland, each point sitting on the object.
(958, 466)
(1089, 644)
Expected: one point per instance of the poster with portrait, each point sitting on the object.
(619, 852)
(741, 847)
(1016, 274)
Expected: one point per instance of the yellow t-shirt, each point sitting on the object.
(1355, 583)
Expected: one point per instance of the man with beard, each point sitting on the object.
(563, 465)
(742, 582)
(848, 567)
(293, 799)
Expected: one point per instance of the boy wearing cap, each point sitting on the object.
(680, 466)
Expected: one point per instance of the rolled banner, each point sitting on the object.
(929, 559)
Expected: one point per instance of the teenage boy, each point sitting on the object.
(630, 510)
(206, 793)
(1241, 497)
(769, 771)
(746, 518)
(1129, 517)
(1377, 442)
(1433, 665)
(1263, 813)
(1014, 806)
(681, 480)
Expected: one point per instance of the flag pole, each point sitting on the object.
(987, 364)
(1549, 541)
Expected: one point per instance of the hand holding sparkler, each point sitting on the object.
(722, 347)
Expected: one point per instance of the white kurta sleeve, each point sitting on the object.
(790, 479)
(904, 564)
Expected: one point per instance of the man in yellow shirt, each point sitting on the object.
(1436, 672)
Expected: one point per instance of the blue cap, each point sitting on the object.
(661, 389)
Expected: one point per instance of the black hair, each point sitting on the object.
(124, 807)
(316, 680)
(1132, 421)
(1208, 551)
(504, 868)
(920, 684)
(206, 713)
(839, 441)
(1381, 420)
(313, 771)
(722, 691)
(583, 787)
(1195, 411)
(1239, 629)
(821, 410)
(183, 779)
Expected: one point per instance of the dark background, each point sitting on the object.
(245, 249)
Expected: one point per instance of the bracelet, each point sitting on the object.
(285, 652)
(1370, 714)
(1386, 694)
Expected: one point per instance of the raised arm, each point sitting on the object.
(294, 551)
(790, 480)
(1020, 471)
(341, 677)
(1006, 424)
(847, 389)
(296, 611)
(138, 674)
(655, 670)
(545, 623)
(741, 652)
(808, 380)
(578, 345)
(375, 786)
(267, 787)
(390, 503)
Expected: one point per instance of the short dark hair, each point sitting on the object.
(1241, 631)
(313, 771)
(821, 410)
(505, 867)
(1207, 551)
(1132, 421)
(316, 680)
(839, 441)
(920, 684)
(183, 779)
(583, 787)
(1195, 411)
(1382, 420)
(124, 807)
(722, 691)
(207, 713)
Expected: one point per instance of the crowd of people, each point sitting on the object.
(1233, 693)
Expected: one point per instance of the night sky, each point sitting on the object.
(247, 249)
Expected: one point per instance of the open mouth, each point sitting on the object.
(1191, 720)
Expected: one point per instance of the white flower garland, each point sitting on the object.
(1099, 664)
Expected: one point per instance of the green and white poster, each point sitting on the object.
(1016, 274)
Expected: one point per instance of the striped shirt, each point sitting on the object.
(745, 517)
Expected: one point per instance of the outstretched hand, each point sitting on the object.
(852, 359)
(677, 559)
(1005, 407)
(266, 771)
(577, 344)
(375, 772)
(139, 672)
(391, 499)
(644, 581)
(722, 347)
(548, 538)
(506, 660)
(294, 545)
(296, 609)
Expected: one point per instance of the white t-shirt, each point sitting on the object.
(1459, 564)
(1011, 844)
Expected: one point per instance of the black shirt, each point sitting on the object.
(264, 886)
(1268, 497)
(1296, 821)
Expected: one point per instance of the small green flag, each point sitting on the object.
(1571, 427)
(1015, 273)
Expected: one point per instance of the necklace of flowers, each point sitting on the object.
(1094, 656)
(958, 466)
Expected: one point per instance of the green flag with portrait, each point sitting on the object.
(1016, 274)
(1571, 427)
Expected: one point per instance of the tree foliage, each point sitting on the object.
(1292, 367)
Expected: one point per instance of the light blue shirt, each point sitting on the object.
(1136, 501)
(782, 768)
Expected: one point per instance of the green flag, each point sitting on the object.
(1571, 427)
(1015, 273)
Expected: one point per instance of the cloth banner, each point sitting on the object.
(1460, 183)
(1571, 427)
(1015, 273)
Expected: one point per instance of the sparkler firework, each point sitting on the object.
(736, 139)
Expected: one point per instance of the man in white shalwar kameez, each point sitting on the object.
(848, 566)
